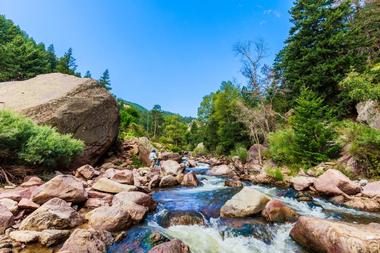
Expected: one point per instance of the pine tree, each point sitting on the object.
(52, 58)
(312, 134)
(105, 80)
(316, 54)
(87, 74)
(67, 63)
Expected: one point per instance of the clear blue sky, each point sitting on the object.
(167, 52)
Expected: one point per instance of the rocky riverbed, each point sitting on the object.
(189, 206)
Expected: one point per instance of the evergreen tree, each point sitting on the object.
(366, 33)
(317, 52)
(52, 58)
(105, 80)
(67, 63)
(313, 137)
(157, 120)
(87, 74)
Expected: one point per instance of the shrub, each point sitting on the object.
(199, 150)
(276, 173)
(364, 146)
(281, 145)
(241, 152)
(23, 142)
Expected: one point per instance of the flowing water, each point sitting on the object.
(221, 235)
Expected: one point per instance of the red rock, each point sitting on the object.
(123, 177)
(27, 204)
(86, 171)
(65, 187)
(190, 179)
(174, 246)
(276, 211)
(302, 183)
(328, 236)
(33, 181)
(139, 198)
(333, 182)
(372, 189)
(109, 218)
(6, 219)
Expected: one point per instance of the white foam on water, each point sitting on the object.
(209, 240)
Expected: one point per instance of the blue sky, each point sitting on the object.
(167, 52)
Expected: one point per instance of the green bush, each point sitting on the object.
(364, 146)
(23, 142)
(199, 150)
(276, 173)
(241, 152)
(281, 145)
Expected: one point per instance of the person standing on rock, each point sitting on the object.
(153, 158)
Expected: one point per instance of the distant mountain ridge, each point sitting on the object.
(143, 110)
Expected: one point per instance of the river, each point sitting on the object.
(221, 235)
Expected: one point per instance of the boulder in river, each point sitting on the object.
(190, 179)
(65, 187)
(109, 218)
(168, 181)
(171, 167)
(276, 211)
(139, 198)
(79, 106)
(173, 246)
(333, 182)
(326, 236)
(54, 214)
(301, 183)
(245, 203)
(221, 170)
(87, 240)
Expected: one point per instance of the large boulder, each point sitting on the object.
(333, 182)
(369, 112)
(221, 170)
(173, 246)
(171, 167)
(78, 106)
(6, 219)
(65, 187)
(245, 203)
(87, 240)
(372, 189)
(110, 218)
(168, 181)
(363, 203)
(301, 183)
(110, 186)
(54, 214)
(170, 156)
(328, 236)
(139, 198)
(144, 147)
(190, 179)
(276, 211)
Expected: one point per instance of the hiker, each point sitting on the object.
(153, 158)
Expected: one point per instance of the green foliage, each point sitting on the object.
(311, 139)
(241, 152)
(276, 173)
(199, 150)
(364, 146)
(217, 112)
(317, 53)
(105, 80)
(67, 64)
(364, 86)
(281, 145)
(23, 142)
(174, 132)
